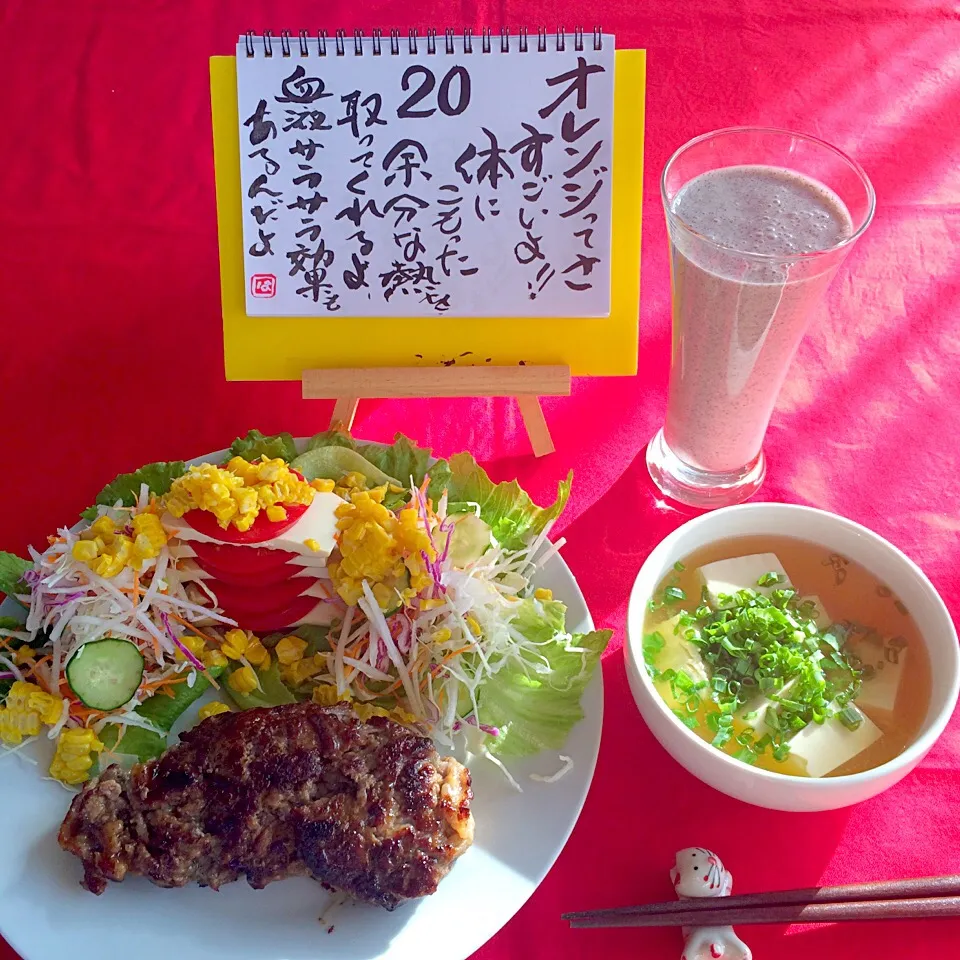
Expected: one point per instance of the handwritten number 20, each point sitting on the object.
(443, 93)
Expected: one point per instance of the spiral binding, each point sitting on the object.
(341, 42)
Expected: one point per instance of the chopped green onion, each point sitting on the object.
(674, 594)
(686, 719)
(679, 566)
(653, 643)
(850, 717)
(767, 645)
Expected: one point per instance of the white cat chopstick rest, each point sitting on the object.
(700, 873)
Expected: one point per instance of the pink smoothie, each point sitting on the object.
(737, 320)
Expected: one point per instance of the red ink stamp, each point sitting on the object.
(263, 285)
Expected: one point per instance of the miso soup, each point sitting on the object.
(788, 656)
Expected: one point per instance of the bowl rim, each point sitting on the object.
(907, 759)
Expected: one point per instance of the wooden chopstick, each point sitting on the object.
(923, 907)
(914, 897)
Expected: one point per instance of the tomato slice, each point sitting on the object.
(271, 621)
(238, 600)
(260, 530)
(251, 581)
(240, 560)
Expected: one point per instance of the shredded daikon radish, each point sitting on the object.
(554, 777)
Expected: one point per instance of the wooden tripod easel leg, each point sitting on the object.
(536, 424)
(344, 410)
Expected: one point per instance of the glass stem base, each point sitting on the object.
(679, 481)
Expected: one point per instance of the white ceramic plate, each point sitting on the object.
(45, 913)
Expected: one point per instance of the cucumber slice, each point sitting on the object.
(105, 674)
(332, 463)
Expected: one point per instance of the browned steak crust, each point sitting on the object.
(297, 790)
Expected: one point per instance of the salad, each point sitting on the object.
(342, 571)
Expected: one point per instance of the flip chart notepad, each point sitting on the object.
(426, 177)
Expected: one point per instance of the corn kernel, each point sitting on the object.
(290, 650)
(214, 658)
(73, 760)
(194, 644)
(257, 654)
(25, 708)
(541, 593)
(243, 680)
(377, 494)
(367, 710)
(237, 492)
(385, 596)
(326, 695)
(84, 551)
(432, 604)
(103, 527)
(301, 671)
(47, 706)
(23, 655)
(322, 485)
(473, 624)
(212, 709)
(235, 643)
(442, 635)
(311, 544)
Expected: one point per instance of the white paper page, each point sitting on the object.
(446, 184)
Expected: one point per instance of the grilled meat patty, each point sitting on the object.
(297, 790)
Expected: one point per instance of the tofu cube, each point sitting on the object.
(677, 654)
(884, 661)
(825, 746)
(754, 713)
(729, 576)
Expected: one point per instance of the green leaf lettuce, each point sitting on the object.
(535, 705)
(255, 445)
(12, 569)
(513, 517)
(273, 691)
(125, 488)
(163, 712)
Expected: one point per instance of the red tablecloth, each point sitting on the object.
(109, 301)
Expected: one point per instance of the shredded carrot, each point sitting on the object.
(120, 736)
(86, 714)
(456, 653)
(167, 682)
(136, 589)
(199, 633)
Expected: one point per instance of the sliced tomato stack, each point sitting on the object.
(262, 589)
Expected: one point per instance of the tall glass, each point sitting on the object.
(754, 243)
